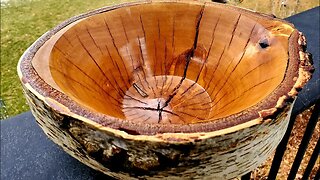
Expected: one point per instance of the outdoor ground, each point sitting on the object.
(298, 130)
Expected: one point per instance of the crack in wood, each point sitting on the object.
(192, 97)
(234, 30)
(231, 40)
(228, 77)
(151, 109)
(109, 81)
(130, 54)
(141, 51)
(242, 94)
(189, 55)
(257, 67)
(197, 103)
(207, 55)
(193, 116)
(140, 91)
(215, 69)
(132, 98)
(69, 42)
(115, 46)
(71, 62)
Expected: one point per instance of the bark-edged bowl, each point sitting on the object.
(176, 89)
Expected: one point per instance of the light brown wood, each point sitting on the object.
(157, 90)
(165, 64)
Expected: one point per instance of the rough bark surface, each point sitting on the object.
(139, 90)
(221, 157)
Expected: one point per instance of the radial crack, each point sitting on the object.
(189, 56)
(140, 91)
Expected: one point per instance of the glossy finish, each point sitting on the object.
(147, 90)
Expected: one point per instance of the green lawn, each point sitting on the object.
(22, 22)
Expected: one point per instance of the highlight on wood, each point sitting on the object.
(167, 89)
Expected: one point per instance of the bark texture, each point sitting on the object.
(220, 157)
(146, 90)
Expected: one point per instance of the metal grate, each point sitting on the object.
(301, 151)
(302, 148)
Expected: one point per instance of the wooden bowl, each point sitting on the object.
(166, 89)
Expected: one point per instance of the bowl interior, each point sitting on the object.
(170, 62)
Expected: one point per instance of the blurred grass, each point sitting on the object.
(279, 8)
(23, 21)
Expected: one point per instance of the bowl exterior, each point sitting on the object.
(222, 156)
(225, 156)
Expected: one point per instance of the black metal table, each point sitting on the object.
(26, 153)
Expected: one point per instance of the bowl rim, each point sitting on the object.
(297, 74)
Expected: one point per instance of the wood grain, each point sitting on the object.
(167, 89)
(168, 66)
